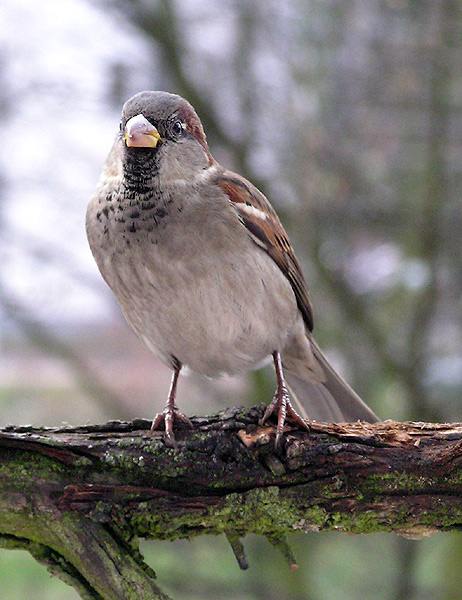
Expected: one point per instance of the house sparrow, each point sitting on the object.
(202, 267)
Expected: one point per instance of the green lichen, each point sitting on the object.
(389, 483)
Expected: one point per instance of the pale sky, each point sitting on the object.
(55, 137)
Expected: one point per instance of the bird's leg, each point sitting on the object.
(171, 412)
(281, 402)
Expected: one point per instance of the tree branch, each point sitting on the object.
(78, 498)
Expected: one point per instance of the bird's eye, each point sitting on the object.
(178, 127)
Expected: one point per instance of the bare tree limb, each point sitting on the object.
(78, 498)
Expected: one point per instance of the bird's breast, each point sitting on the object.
(193, 285)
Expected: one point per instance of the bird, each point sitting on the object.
(203, 269)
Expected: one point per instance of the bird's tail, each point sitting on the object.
(322, 395)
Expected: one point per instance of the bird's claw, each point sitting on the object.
(168, 416)
(285, 411)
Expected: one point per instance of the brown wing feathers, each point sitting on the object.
(263, 224)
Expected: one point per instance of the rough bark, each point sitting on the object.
(78, 498)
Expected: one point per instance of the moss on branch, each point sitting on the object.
(78, 498)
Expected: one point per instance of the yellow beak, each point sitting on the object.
(140, 133)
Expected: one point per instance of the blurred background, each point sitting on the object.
(348, 115)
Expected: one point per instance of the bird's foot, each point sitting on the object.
(285, 411)
(168, 416)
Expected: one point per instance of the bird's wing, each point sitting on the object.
(266, 230)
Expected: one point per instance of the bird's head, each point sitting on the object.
(162, 135)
